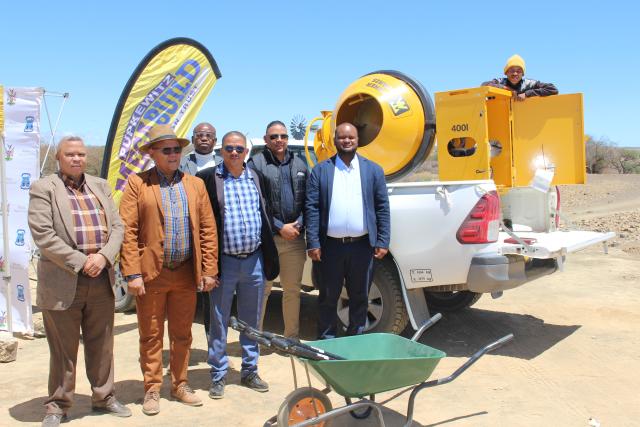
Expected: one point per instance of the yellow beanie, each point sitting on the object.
(515, 61)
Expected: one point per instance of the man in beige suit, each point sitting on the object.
(76, 226)
(170, 250)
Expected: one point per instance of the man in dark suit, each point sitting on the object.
(203, 156)
(76, 226)
(348, 225)
(248, 256)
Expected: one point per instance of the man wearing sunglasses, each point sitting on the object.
(203, 156)
(170, 250)
(285, 179)
(248, 256)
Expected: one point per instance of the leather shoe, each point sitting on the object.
(114, 407)
(216, 391)
(53, 420)
(185, 395)
(254, 382)
(151, 404)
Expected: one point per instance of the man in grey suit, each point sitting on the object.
(204, 139)
(76, 226)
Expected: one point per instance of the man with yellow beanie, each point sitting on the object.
(522, 88)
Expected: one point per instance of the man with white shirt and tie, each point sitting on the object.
(348, 225)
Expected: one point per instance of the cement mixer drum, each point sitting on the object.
(395, 118)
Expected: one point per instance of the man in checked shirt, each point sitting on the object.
(170, 249)
(76, 226)
(248, 256)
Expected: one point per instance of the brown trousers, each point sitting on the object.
(172, 295)
(92, 311)
(293, 255)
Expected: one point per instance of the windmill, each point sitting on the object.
(298, 126)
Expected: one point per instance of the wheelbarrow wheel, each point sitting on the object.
(360, 415)
(303, 404)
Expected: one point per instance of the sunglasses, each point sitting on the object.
(170, 150)
(205, 134)
(231, 148)
(276, 136)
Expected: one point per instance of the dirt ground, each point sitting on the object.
(575, 356)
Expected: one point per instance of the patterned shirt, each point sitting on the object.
(177, 232)
(242, 221)
(89, 219)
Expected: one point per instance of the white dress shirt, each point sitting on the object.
(346, 212)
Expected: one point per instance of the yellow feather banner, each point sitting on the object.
(169, 86)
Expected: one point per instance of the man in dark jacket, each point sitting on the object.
(284, 176)
(514, 81)
(203, 139)
(348, 225)
(248, 256)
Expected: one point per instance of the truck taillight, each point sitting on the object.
(483, 222)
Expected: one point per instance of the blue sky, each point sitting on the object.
(279, 59)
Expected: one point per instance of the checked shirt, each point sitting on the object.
(242, 222)
(177, 232)
(88, 215)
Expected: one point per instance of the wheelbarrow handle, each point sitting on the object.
(285, 345)
(473, 359)
(426, 325)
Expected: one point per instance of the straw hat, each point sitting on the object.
(161, 133)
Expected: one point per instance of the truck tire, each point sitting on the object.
(450, 301)
(386, 312)
(124, 301)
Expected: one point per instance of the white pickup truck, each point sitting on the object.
(448, 247)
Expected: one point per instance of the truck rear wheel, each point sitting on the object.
(124, 301)
(386, 312)
(450, 301)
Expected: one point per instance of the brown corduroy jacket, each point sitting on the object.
(142, 214)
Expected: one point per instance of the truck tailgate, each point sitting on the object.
(553, 244)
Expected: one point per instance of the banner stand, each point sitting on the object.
(52, 130)
(6, 273)
(20, 164)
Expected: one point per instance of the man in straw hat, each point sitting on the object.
(170, 251)
(514, 81)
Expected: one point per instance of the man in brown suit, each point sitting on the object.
(170, 250)
(76, 226)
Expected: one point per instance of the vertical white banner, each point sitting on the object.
(21, 163)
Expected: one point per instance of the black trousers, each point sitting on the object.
(351, 265)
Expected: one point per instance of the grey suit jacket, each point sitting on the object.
(53, 232)
(188, 163)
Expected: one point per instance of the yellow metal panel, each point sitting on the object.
(548, 132)
(462, 115)
(499, 126)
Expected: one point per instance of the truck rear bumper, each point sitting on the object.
(492, 273)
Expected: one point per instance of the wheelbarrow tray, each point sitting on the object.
(375, 363)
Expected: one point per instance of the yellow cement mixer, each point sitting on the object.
(482, 133)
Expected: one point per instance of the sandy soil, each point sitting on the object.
(575, 355)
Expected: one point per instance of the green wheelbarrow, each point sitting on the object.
(357, 367)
